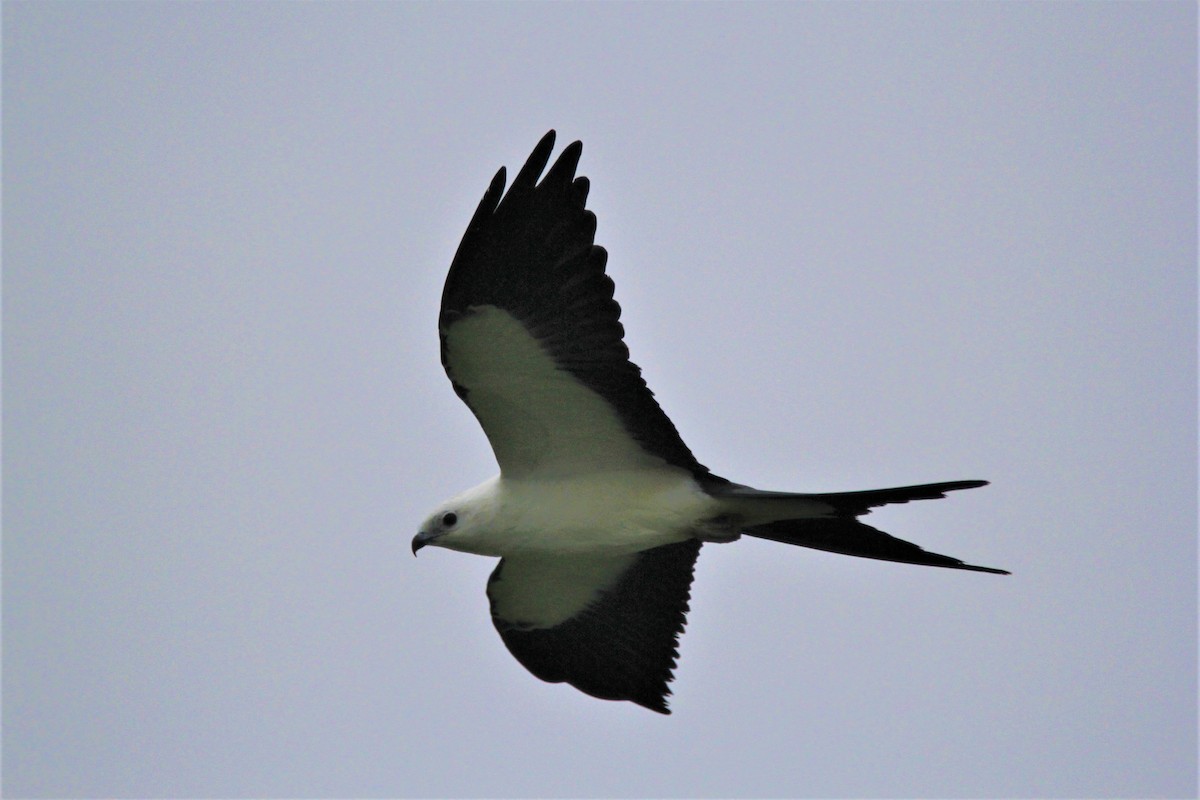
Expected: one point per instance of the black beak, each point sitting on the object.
(422, 539)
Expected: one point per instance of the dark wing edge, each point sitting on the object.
(531, 252)
(624, 646)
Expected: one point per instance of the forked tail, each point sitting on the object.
(828, 521)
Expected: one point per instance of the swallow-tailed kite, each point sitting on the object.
(600, 509)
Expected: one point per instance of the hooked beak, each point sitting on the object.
(422, 539)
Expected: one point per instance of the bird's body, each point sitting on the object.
(608, 513)
(600, 509)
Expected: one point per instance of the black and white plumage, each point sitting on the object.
(600, 510)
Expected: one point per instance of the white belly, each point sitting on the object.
(601, 513)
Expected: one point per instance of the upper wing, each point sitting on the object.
(531, 337)
(607, 626)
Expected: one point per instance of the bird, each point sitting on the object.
(599, 511)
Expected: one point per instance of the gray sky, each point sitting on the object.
(856, 246)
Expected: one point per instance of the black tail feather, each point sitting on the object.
(853, 538)
(857, 503)
(842, 533)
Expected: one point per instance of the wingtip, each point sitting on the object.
(498, 182)
(528, 174)
(548, 138)
(575, 149)
(545, 145)
(656, 703)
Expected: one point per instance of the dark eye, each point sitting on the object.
(448, 519)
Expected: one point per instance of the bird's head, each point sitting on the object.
(461, 523)
(436, 527)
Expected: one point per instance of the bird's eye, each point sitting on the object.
(448, 519)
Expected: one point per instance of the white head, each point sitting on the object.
(462, 522)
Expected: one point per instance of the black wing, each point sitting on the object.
(531, 337)
(620, 639)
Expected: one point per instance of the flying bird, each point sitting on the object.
(600, 510)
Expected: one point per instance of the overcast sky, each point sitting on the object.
(856, 246)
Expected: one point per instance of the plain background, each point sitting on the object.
(856, 246)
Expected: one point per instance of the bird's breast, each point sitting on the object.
(617, 512)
